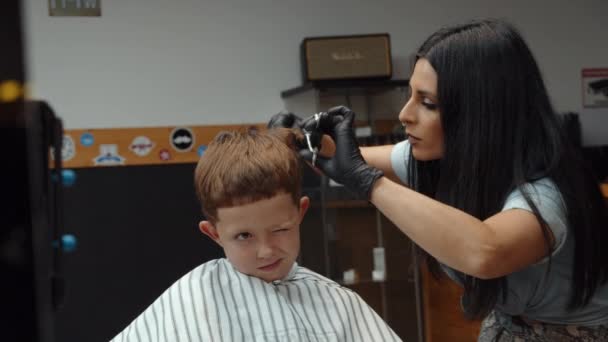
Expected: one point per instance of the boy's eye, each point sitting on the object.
(281, 230)
(243, 236)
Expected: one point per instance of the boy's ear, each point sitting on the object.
(304, 204)
(209, 229)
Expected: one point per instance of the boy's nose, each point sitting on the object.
(264, 251)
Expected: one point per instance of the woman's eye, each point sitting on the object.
(243, 236)
(429, 105)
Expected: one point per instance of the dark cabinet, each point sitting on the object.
(344, 237)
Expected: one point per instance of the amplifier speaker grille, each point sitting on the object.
(346, 57)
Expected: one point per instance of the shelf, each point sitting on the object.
(344, 87)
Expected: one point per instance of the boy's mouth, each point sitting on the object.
(271, 266)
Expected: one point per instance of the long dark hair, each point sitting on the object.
(502, 132)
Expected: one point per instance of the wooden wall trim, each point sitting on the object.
(150, 145)
(140, 146)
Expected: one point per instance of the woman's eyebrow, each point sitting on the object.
(422, 92)
(426, 93)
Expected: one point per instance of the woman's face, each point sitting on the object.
(421, 116)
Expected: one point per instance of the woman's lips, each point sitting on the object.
(413, 138)
(270, 267)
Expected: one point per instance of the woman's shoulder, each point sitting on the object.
(546, 197)
(541, 192)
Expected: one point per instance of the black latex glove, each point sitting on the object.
(309, 125)
(285, 120)
(326, 122)
(347, 166)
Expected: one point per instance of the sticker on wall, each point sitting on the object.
(87, 139)
(164, 154)
(201, 150)
(68, 149)
(595, 87)
(182, 139)
(141, 146)
(108, 155)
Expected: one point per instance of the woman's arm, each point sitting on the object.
(376, 156)
(380, 158)
(500, 245)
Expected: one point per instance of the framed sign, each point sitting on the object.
(75, 8)
(595, 87)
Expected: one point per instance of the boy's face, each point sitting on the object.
(261, 239)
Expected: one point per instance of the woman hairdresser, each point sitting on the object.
(487, 186)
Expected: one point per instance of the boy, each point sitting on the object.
(249, 185)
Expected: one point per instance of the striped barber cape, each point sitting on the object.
(214, 302)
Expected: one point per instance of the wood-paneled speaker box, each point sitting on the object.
(346, 57)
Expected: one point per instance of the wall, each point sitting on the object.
(195, 62)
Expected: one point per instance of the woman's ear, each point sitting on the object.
(209, 229)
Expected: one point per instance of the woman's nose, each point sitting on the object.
(407, 116)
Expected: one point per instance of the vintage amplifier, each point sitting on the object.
(346, 57)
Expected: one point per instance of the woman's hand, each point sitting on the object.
(326, 145)
(285, 120)
(346, 166)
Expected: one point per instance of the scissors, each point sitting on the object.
(308, 133)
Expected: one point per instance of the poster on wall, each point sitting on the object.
(595, 87)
